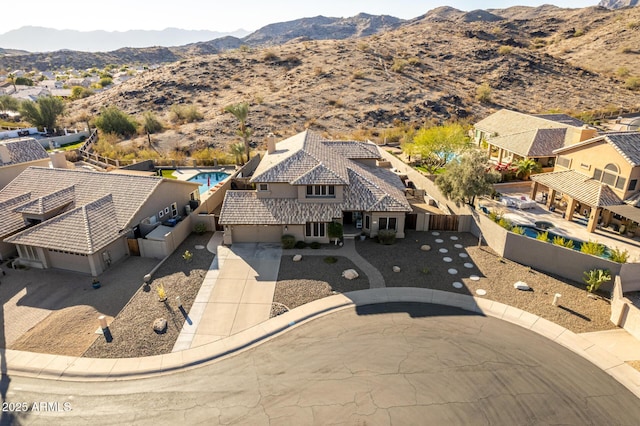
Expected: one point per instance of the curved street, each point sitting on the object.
(398, 363)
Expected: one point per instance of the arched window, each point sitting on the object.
(612, 167)
(610, 176)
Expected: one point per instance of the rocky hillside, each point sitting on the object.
(618, 4)
(428, 70)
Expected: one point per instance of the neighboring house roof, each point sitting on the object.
(97, 206)
(21, 151)
(580, 187)
(532, 143)
(626, 143)
(506, 122)
(307, 159)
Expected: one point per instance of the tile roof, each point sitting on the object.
(95, 202)
(532, 143)
(505, 122)
(626, 143)
(580, 187)
(562, 118)
(21, 151)
(85, 229)
(307, 159)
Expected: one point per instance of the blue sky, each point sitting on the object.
(121, 15)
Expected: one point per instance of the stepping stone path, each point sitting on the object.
(458, 246)
(463, 255)
(447, 259)
(396, 269)
(297, 258)
(443, 250)
(199, 247)
(439, 241)
(468, 265)
(474, 278)
(435, 234)
(454, 238)
(457, 284)
(453, 271)
(481, 292)
(425, 247)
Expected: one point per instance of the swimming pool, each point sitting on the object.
(208, 180)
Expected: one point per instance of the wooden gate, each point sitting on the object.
(134, 249)
(443, 222)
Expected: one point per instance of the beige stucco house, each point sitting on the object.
(511, 136)
(305, 182)
(85, 221)
(599, 178)
(18, 154)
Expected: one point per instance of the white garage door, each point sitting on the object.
(70, 262)
(257, 234)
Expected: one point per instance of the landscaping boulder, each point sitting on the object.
(425, 247)
(396, 269)
(297, 258)
(350, 274)
(521, 286)
(160, 325)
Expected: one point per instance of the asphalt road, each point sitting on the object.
(385, 364)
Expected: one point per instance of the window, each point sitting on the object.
(161, 214)
(609, 178)
(315, 229)
(28, 252)
(564, 162)
(632, 184)
(387, 223)
(328, 191)
(597, 174)
(621, 183)
(612, 167)
(174, 209)
(367, 223)
(263, 187)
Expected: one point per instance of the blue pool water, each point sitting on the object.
(208, 180)
(533, 233)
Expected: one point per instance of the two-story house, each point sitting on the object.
(599, 179)
(510, 136)
(305, 182)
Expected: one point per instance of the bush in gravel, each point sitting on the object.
(386, 236)
(330, 259)
(301, 245)
(595, 278)
(315, 245)
(200, 228)
(288, 241)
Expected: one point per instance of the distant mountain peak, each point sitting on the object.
(618, 4)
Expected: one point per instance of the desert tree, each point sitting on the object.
(114, 120)
(438, 145)
(44, 112)
(467, 177)
(7, 103)
(151, 124)
(241, 111)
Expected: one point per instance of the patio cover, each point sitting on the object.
(625, 210)
(579, 187)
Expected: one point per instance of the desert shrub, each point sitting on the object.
(634, 25)
(543, 236)
(113, 120)
(483, 93)
(79, 92)
(200, 228)
(358, 75)
(505, 50)
(632, 83)
(618, 255)
(505, 224)
(626, 49)
(301, 245)
(106, 81)
(562, 242)
(538, 43)
(362, 46)
(495, 216)
(399, 65)
(315, 245)
(623, 72)
(269, 56)
(414, 61)
(518, 230)
(185, 114)
(593, 248)
(150, 123)
(595, 278)
(71, 156)
(579, 32)
(386, 236)
(330, 260)
(288, 241)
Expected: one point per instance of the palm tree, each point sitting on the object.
(237, 149)
(526, 167)
(240, 112)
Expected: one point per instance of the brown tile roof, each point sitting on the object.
(580, 187)
(506, 122)
(21, 151)
(100, 204)
(626, 143)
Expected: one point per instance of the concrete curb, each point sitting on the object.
(59, 367)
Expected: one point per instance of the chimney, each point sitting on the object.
(271, 143)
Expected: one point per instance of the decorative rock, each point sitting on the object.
(463, 255)
(160, 325)
(147, 278)
(457, 284)
(458, 246)
(199, 247)
(474, 278)
(396, 269)
(443, 250)
(350, 274)
(425, 247)
(468, 265)
(481, 292)
(447, 259)
(521, 286)
(453, 271)
(435, 234)
(454, 238)
(297, 258)
(439, 241)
